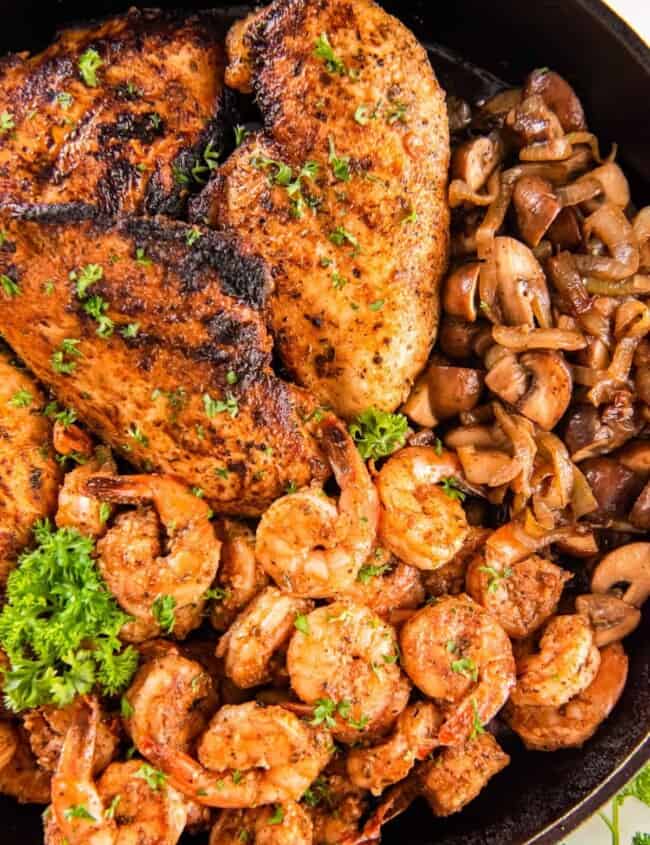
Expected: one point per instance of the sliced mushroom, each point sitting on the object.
(564, 232)
(629, 565)
(474, 161)
(636, 457)
(640, 513)
(559, 96)
(539, 131)
(453, 389)
(579, 544)
(477, 435)
(549, 393)
(493, 113)
(521, 284)
(456, 337)
(569, 283)
(614, 486)
(610, 617)
(418, 405)
(536, 206)
(642, 375)
(506, 377)
(488, 466)
(460, 292)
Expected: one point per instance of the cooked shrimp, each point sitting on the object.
(21, 777)
(283, 824)
(310, 546)
(566, 664)
(415, 736)
(258, 632)
(129, 554)
(29, 475)
(420, 521)
(449, 579)
(240, 575)
(456, 775)
(8, 743)
(76, 508)
(385, 584)
(335, 804)
(171, 700)
(47, 727)
(92, 814)
(71, 440)
(521, 597)
(573, 723)
(345, 660)
(250, 755)
(456, 652)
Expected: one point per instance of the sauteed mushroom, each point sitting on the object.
(559, 96)
(629, 565)
(610, 617)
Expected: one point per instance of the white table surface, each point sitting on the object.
(634, 816)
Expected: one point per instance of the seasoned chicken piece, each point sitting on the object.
(29, 475)
(150, 330)
(343, 194)
(128, 115)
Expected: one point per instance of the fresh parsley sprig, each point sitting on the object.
(60, 625)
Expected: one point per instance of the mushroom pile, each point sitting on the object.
(540, 380)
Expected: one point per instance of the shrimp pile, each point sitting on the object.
(464, 579)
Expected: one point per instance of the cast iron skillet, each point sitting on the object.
(539, 798)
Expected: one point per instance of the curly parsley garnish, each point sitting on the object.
(378, 433)
(60, 625)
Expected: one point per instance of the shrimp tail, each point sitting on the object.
(196, 782)
(73, 785)
(119, 489)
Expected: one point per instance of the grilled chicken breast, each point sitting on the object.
(151, 331)
(128, 115)
(29, 475)
(343, 193)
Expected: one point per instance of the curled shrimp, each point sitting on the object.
(249, 755)
(47, 727)
(170, 699)
(335, 804)
(129, 555)
(76, 508)
(414, 737)
(457, 653)
(385, 584)
(283, 824)
(567, 662)
(456, 775)
(345, 659)
(86, 813)
(420, 521)
(521, 597)
(545, 728)
(311, 546)
(240, 576)
(71, 440)
(520, 589)
(256, 635)
(21, 776)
